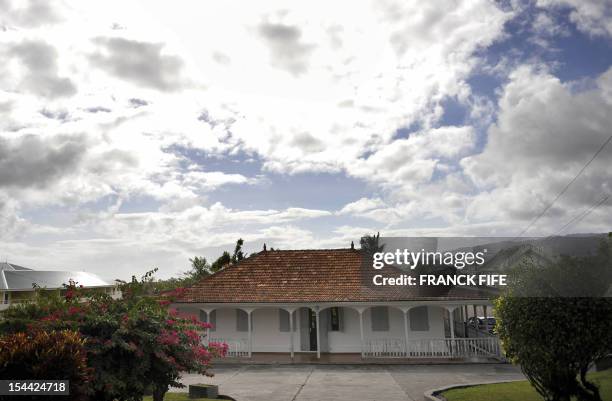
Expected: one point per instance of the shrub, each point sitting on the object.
(557, 339)
(132, 344)
(40, 355)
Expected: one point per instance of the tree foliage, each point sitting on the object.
(370, 244)
(556, 338)
(226, 259)
(200, 268)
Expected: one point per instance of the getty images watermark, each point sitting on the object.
(406, 267)
(458, 259)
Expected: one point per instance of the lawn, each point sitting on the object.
(178, 397)
(521, 391)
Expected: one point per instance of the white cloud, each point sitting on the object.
(412, 161)
(361, 205)
(35, 70)
(140, 62)
(28, 13)
(591, 16)
(544, 135)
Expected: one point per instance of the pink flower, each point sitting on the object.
(74, 310)
(168, 338)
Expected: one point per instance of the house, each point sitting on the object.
(313, 302)
(17, 282)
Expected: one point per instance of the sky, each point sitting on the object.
(139, 134)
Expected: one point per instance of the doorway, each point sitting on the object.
(312, 329)
(308, 330)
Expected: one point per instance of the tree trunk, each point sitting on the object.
(159, 392)
(594, 395)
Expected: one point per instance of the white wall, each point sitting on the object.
(268, 338)
(266, 334)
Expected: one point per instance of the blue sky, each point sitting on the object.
(136, 136)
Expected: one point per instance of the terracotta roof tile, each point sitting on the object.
(314, 275)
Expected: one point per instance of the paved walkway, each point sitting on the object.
(346, 382)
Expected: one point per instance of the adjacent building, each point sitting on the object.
(17, 283)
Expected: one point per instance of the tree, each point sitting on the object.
(370, 244)
(222, 261)
(555, 324)
(238, 254)
(199, 269)
(226, 259)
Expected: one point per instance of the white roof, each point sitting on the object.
(14, 277)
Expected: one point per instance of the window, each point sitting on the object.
(283, 320)
(6, 298)
(419, 319)
(204, 317)
(335, 319)
(380, 318)
(242, 320)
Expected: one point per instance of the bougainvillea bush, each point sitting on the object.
(134, 344)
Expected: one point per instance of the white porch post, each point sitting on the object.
(207, 330)
(250, 324)
(451, 321)
(405, 313)
(486, 321)
(361, 331)
(318, 334)
(291, 331)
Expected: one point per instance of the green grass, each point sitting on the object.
(521, 391)
(178, 397)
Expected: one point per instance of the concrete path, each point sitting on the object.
(346, 382)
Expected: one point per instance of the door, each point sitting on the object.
(312, 329)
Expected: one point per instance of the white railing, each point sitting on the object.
(483, 347)
(236, 348)
(385, 348)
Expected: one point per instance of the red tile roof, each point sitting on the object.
(313, 275)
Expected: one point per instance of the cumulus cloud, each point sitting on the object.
(37, 161)
(28, 13)
(414, 160)
(143, 63)
(10, 223)
(544, 135)
(361, 205)
(214, 179)
(593, 17)
(286, 48)
(39, 70)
